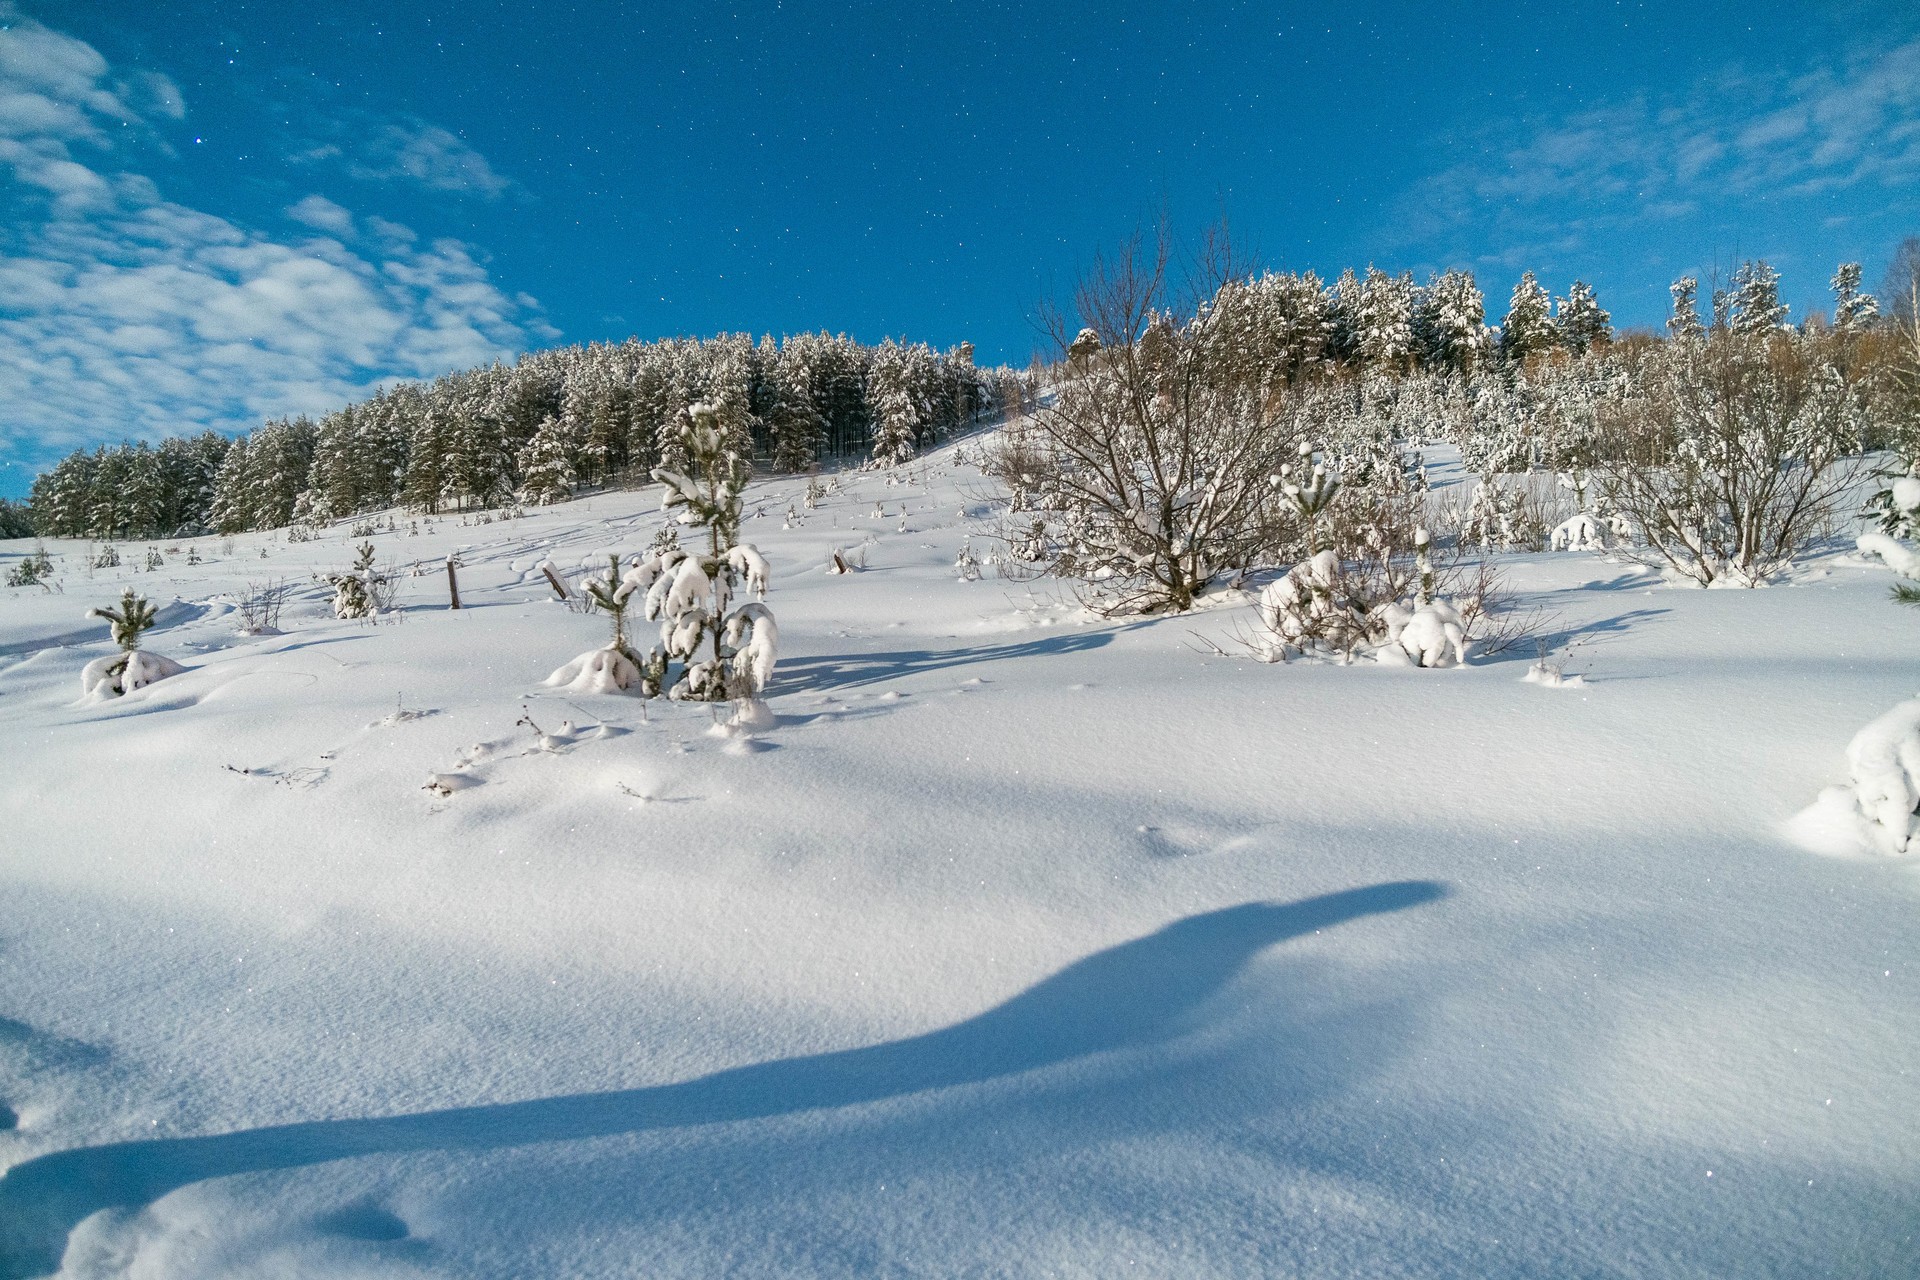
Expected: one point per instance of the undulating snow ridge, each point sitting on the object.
(1001, 939)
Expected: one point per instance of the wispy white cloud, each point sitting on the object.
(322, 214)
(408, 150)
(125, 314)
(1854, 125)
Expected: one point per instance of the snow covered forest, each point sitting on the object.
(1365, 364)
(555, 423)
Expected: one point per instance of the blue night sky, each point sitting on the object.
(218, 211)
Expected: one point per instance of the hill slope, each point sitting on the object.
(1023, 943)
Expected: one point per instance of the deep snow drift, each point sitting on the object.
(1017, 941)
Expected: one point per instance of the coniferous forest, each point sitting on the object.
(1375, 359)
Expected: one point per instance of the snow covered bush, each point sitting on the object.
(1724, 460)
(1586, 529)
(1370, 604)
(1879, 809)
(259, 606)
(1382, 588)
(129, 669)
(1433, 634)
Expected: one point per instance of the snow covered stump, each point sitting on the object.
(129, 669)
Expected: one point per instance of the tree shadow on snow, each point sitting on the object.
(1598, 629)
(1136, 995)
(847, 671)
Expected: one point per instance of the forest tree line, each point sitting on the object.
(570, 419)
(553, 424)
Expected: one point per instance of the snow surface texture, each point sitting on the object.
(1000, 941)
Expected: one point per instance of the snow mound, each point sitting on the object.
(1581, 532)
(752, 715)
(1543, 673)
(122, 673)
(1876, 812)
(600, 671)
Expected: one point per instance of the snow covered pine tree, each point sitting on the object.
(689, 594)
(129, 669)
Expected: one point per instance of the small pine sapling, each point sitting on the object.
(1309, 498)
(615, 668)
(1898, 508)
(361, 591)
(1900, 558)
(32, 571)
(610, 594)
(126, 623)
(967, 565)
(129, 669)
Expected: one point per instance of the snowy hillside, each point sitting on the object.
(1023, 942)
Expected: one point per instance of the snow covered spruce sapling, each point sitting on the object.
(363, 590)
(129, 669)
(724, 655)
(1900, 558)
(33, 571)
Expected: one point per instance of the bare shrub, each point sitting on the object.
(1153, 454)
(1725, 461)
(259, 605)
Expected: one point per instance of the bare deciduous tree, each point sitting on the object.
(1154, 452)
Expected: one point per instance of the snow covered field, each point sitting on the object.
(1024, 943)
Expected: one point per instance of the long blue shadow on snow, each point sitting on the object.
(1135, 995)
(845, 671)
